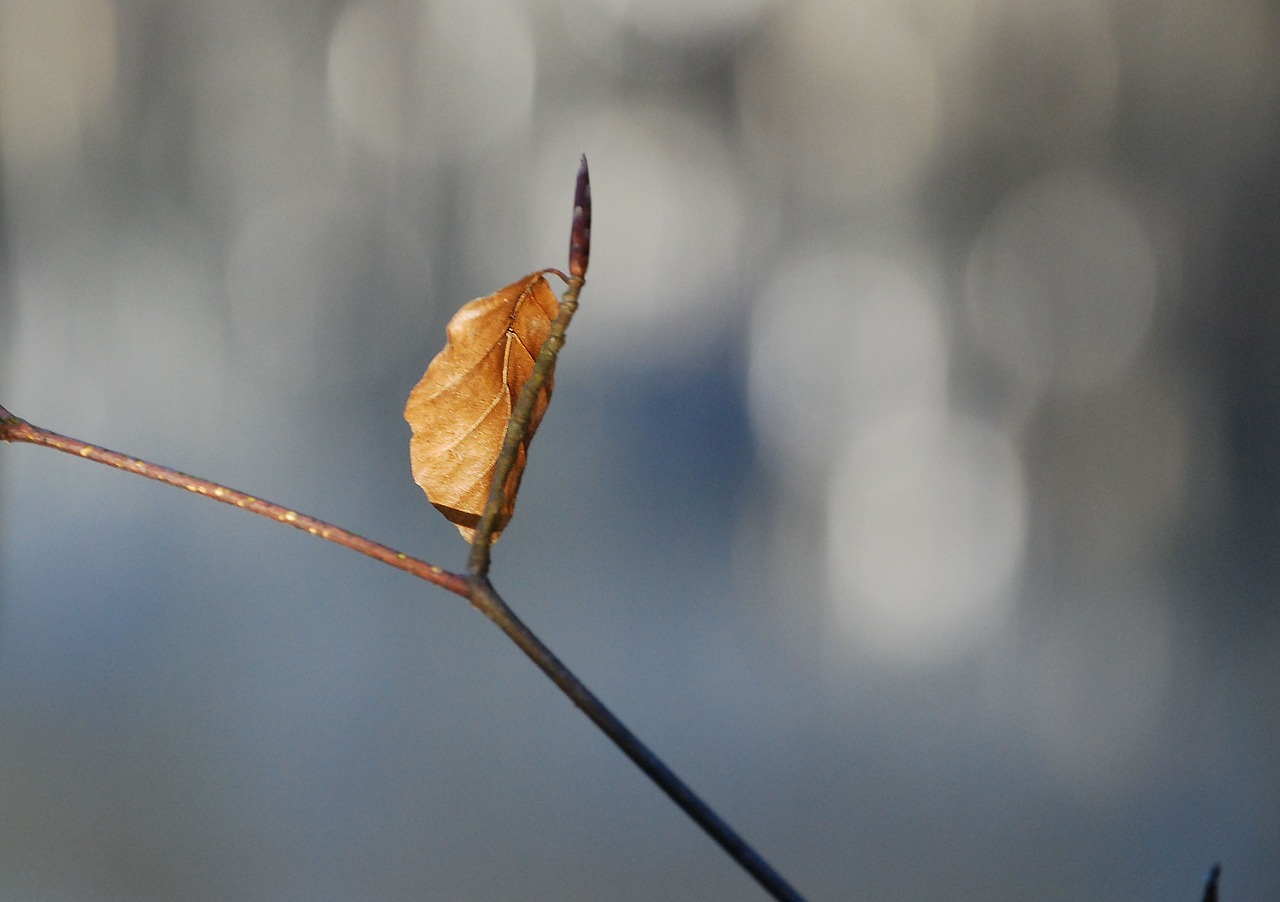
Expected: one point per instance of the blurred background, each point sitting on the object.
(912, 483)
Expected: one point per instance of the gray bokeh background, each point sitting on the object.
(912, 482)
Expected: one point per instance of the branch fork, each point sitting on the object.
(475, 585)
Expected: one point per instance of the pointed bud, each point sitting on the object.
(580, 237)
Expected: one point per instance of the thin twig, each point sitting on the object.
(1211, 884)
(486, 599)
(518, 427)
(16, 429)
(481, 594)
(543, 367)
(477, 587)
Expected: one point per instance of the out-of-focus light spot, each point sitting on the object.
(656, 41)
(838, 341)
(57, 70)
(425, 81)
(167, 342)
(295, 268)
(1061, 283)
(478, 72)
(1114, 467)
(132, 328)
(665, 249)
(927, 527)
(257, 132)
(1036, 77)
(1093, 689)
(842, 97)
(369, 74)
(679, 20)
(1204, 77)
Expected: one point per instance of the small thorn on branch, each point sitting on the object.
(580, 237)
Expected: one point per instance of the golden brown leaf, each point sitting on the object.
(459, 410)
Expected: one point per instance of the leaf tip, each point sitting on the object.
(580, 236)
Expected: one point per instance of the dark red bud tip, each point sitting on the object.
(580, 237)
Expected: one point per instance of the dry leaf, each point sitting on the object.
(459, 410)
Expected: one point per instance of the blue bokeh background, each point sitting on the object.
(912, 483)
